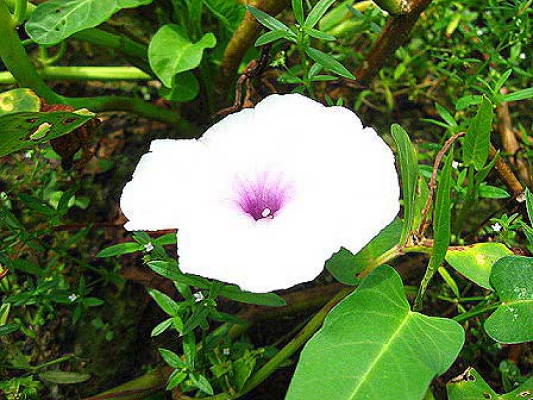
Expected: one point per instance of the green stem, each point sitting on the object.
(474, 313)
(53, 362)
(19, 16)
(84, 74)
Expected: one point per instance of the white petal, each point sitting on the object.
(164, 186)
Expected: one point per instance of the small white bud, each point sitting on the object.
(148, 247)
(72, 297)
(225, 351)
(198, 296)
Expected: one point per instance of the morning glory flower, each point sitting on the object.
(268, 194)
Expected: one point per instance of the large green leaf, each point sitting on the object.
(55, 20)
(345, 266)
(171, 52)
(512, 322)
(25, 129)
(19, 100)
(475, 262)
(408, 175)
(184, 88)
(471, 386)
(477, 138)
(373, 347)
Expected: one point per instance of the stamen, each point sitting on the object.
(266, 212)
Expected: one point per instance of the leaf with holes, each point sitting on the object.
(55, 20)
(171, 52)
(25, 129)
(471, 386)
(19, 100)
(512, 279)
(475, 262)
(367, 337)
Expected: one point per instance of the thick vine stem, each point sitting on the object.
(84, 74)
(244, 38)
(393, 37)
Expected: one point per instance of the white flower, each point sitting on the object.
(455, 164)
(72, 297)
(226, 351)
(496, 227)
(267, 194)
(198, 297)
(522, 56)
(148, 247)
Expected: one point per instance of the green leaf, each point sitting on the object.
(37, 205)
(63, 377)
(320, 35)
(519, 95)
(166, 239)
(366, 339)
(8, 328)
(272, 36)
(171, 358)
(119, 249)
(267, 21)
(166, 303)
(262, 299)
(202, 383)
(229, 12)
(408, 176)
(25, 129)
(492, 192)
(298, 9)
(19, 100)
(185, 87)
(471, 386)
(55, 20)
(175, 379)
(445, 115)
(317, 13)
(467, 101)
(442, 214)
(345, 266)
(161, 327)
(171, 271)
(477, 139)
(171, 52)
(512, 279)
(476, 261)
(329, 63)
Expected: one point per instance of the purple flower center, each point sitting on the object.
(262, 198)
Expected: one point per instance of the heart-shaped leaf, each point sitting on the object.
(171, 52)
(373, 347)
(512, 322)
(55, 20)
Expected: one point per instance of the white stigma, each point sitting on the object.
(266, 212)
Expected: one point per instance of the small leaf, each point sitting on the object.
(364, 339)
(119, 249)
(529, 205)
(171, 271)
(442, 214)
(161, 327)
(477, 138)
(263, 299)
(467, 101)
(329, 63)
(475, 262)
(519, 95)
(19, 100)
(229, 12)
(512, 279)
(272, 36)
(320, 35)
(317, 13)
(8, 328)
(55, 20)
(171, 52)
(408, 175)
(202, 383)
(492, 192)
(185, 87)
(267, 21)
(172, 358)
(175, 379)
(166, 239)
(298, 9)
(166, 303)
(63, 377)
